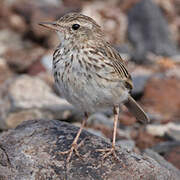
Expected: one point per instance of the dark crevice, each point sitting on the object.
(8, 160)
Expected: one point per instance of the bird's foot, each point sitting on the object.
(108, 152)
(74, 148)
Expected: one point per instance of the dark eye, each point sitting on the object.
(75, 26)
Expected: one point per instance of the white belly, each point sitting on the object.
(90, 94)
(87, 91)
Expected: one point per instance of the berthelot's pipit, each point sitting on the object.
(90, 74)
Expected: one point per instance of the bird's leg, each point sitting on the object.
(111, 151)
(74, 145)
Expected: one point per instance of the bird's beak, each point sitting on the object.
(50, 25)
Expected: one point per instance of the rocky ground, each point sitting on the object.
(147, 35)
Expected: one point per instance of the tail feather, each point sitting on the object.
(136, 110)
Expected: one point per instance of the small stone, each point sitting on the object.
(26, 97)
(140, 78)
(127, 119)
(170, 129)
(174, 133)
(20, 60)
(47, 61)
(16, 118)
(126, 144)
(174, 156)
(148, 31)
(95, 132)
(165, 147)
(99, 118)
(34, 12)
(110, 17)
(17, 23)
(5, 72)
(161, 97)
(174, 72)
(6, 38)
(144, 139)
(36, 68)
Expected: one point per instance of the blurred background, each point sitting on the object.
(147, 35)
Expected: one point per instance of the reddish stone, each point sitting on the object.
(127, 119)
(36, 68)
(174, 157)
(145, 140)
(162, 96)
(20, 60)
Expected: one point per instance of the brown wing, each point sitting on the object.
(118, 64)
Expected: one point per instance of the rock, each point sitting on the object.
(148, 31)
(96, 132)
(171, 12)
(162, 161)
(17, 23)
(125, 51)
(26, 97)
(161, 97)
(170, 129)
(47, 77)
(31, 151)
(110, 17)
(34, 12)
(126, 144)
(140, 77)
(20, 60)
(20, 54)
(99, 118)
(5, 72)
(173, 156)
(127, 119)
(36, 68)
(6, 38)
(170, 150)
(47, 61)
(174, 133)
(144, 139)
(165, 147)
(174, 72)
(155, 116)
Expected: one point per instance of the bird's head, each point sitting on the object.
(75, 26)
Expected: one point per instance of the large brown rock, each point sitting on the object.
(31, 151)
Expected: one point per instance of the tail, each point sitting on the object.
(136, 110)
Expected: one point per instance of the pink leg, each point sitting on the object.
(111, 151)
(74, 145)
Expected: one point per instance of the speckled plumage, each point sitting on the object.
(89, 73)
(90, 76)
(87, 84)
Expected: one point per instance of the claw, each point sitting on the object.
(107, 152)
(74, 145)
(74, 148)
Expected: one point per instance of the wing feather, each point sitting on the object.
(118, 64)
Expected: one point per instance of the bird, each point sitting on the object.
(90, 74)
